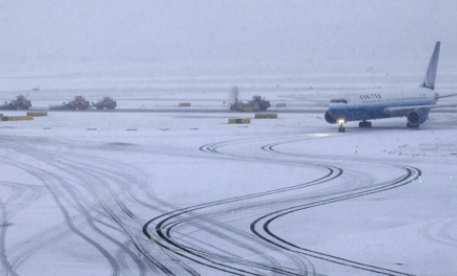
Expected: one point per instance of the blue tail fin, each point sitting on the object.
(429, 79)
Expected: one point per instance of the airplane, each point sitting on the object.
(414, 104)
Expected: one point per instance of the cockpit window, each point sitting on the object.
(339, 101)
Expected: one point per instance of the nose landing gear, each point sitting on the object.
(341, 125)
(409, 125)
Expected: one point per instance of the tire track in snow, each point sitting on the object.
(443, 231)
(411, 174)
(51, 182)
(8, 268)
(261, 226)
(103, 176)
(74, 199)
(13, 207)
(164, 224)
(100, 177)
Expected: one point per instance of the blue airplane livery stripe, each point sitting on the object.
(353, 112)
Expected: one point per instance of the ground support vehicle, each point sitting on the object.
(21, 103)
(106, 102)
(256, 104)
(79, 103)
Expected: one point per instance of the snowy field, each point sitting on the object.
(177, 193)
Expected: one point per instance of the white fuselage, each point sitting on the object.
(373, 104)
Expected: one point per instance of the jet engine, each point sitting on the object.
(417, 117)
(329, 118)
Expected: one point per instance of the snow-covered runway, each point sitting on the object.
(177, 194)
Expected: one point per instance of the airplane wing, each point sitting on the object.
(394, 110)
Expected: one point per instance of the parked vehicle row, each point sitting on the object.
(78, 103)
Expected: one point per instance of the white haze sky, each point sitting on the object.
(213, 30)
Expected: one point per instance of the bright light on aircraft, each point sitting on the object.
(340, 121)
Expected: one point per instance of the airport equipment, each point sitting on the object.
(20, 103)
(79, 103)
(266, 115)
(37, 113)
(16, 118)
(256, 104)
(239, 121)
(106, 102)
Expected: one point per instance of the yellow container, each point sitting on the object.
(266, 115)
(18, 118)
(37, 113)
(239, 121)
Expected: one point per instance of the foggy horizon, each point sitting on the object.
(212, 31)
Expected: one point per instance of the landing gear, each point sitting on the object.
(341, 126)
(409, 125)
(364, 124)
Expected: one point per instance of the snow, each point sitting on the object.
(76, 188)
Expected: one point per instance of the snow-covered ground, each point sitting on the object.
(141, 193)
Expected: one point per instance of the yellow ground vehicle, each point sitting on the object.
(79, 103)
(106, 102)
(20, 103)
(256, 104)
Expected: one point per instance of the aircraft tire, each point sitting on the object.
(409, 125)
